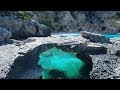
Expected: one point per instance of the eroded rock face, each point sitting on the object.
(42, 30)
(105, 67)
(95, 37)
(75, 21)
(13, 25)
(4, 34)
(71, 21)
(97, 21)
(24, 29)
(57, 20)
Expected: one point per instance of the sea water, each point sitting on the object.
(112, 35)
(78, 34)
(60, 61)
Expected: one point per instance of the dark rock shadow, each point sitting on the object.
(25, 67)
(6, 42)
(88, 64)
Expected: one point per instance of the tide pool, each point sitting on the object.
(59, 64)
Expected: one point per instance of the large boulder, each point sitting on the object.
(43, 30)
(24, 28)
(29, 29)
(4, 34)
(95, 37)
(33, 28)
(95, 48)
(13, 25)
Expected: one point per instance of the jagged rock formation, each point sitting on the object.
(75, 21)
(24, 29)
(61, 21)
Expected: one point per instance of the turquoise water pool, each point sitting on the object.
(112, 35)
(59, 64)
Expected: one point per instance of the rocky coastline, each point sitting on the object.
(19, 57)
(21, 41)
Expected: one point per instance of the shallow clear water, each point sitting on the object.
(112, 35)
(66, 34)
(60, 62)
(78, 34)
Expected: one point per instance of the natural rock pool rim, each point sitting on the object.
(24, 66)
(28, 62)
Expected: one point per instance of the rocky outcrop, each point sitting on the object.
(19, 59)
(24, 29)
(59, 21)
(42, 30)
(4, 34)
(13, 25)
(71, 21)
(97, 21)
(75, 21)
(95, 37)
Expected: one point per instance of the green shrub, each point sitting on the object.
(24, 15)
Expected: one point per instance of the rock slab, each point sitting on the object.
(95, 37)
